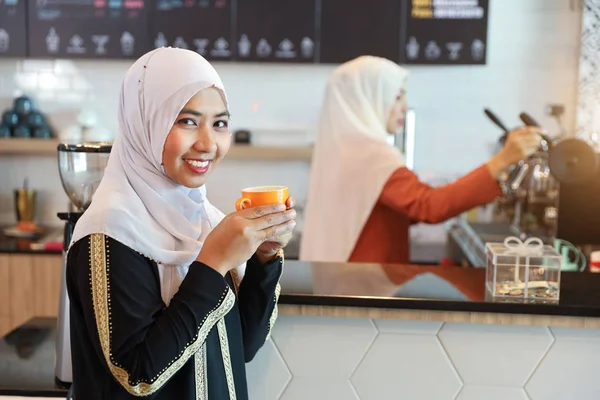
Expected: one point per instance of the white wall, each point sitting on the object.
(338, 358)
(532, 61)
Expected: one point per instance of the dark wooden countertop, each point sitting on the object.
(14, 245)
(421, 287)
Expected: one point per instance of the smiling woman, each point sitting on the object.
(198, 140)
(169, 297)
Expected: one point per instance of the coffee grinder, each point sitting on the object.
(81, 167)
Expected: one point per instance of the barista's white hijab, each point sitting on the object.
(136, 203)
(352, 159)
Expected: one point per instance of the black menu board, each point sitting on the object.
(276, 30)
(446, 32)
(88, 28)
(351, 28)
(13, 31)
(200, 25)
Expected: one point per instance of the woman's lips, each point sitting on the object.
(198, 166)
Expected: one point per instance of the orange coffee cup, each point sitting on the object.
(262, 195)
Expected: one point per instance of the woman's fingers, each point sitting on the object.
(290, 202)
(271, 220)
(260, 211)
(277, 230)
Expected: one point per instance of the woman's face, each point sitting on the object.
(398, 113)
(198, 140)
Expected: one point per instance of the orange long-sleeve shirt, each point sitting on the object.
(405, 200)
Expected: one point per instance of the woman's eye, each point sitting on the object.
(187, 121)
(221, 124)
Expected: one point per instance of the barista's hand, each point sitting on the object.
(269, 249)
(519, 144)
(237, 237)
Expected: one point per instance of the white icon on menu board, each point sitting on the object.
(412, 48)
(100, 42)
(454, 50)
(307, 47)
(221, 48)
(244, 46)
(263, 48)
(201, 46)
(160, 41)
(477, 50)
(52, 41)
(432, 50)
(4, 41)
(76, 45)
(180, 43)
(127, 43)
(286, 49)
(11, 11)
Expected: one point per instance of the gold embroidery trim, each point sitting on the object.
(200, 366)
(224, 341)
(100, 285)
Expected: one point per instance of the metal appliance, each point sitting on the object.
(577, 165)
(532, 187)
(81, 167)
(552, 195)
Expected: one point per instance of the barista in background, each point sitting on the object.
(362, 198)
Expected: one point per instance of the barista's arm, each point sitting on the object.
(406, 194)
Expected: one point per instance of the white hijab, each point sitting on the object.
(352, 159)
(136, 203)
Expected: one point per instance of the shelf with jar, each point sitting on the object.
(47, 147)
(24, 131)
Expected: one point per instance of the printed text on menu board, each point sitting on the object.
(436, 32)
(446, 32)
(88, 28)
(447, 9)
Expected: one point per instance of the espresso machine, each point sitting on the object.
(81, 167)
(551, 194)
(577, 166)
(530, 191)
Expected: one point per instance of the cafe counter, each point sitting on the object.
(371, 331)
(367, 331)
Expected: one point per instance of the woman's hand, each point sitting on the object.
(237, 237)
(269, 248)
(519, 144)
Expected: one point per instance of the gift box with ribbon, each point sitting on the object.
(523, 271)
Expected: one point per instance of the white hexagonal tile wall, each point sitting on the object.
(569, 371)
(574, 333)
(267, 374)
(495, 355)
(491, 393)
(322, 346)
(408, 327)
(404, 366)
(314, 388)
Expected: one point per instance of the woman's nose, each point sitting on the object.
(205, 142)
